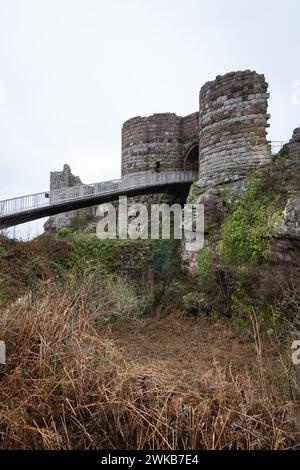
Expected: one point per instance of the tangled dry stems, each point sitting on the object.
(66, 386)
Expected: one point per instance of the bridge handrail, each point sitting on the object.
(73, 193)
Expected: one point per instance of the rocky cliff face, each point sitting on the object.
(287, 243)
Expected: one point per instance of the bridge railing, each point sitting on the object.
(85, 191)
(157, 179)
(23, 203)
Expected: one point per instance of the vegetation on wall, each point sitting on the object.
(247, 233)
(236, 270)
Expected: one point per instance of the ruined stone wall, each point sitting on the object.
(233, 125)
(60, 180)
(63, 179)
(159, 138)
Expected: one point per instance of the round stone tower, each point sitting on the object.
(233, 123)
(160, 143)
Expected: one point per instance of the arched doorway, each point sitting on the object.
(191, 158)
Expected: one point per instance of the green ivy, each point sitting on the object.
(247, 233)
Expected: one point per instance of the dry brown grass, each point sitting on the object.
(67, 386)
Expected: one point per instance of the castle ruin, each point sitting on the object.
(222, 141)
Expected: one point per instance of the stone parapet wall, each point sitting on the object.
(233, 123)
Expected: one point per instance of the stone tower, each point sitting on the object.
(162, 142)
(233, 123)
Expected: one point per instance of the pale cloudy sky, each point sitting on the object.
(71, 71)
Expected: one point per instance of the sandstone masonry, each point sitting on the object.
(232, 127)
(158, 142)
(60, 180)
(63, 179)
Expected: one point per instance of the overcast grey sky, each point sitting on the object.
(74, 70)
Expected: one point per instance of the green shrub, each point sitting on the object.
(64, 232)
(80, 220)
(285, 151)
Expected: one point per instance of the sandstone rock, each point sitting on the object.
(290, 224)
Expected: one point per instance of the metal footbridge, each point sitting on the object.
(35, 206)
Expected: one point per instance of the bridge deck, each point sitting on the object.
(34, 206)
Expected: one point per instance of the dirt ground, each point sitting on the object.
(185, 348)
